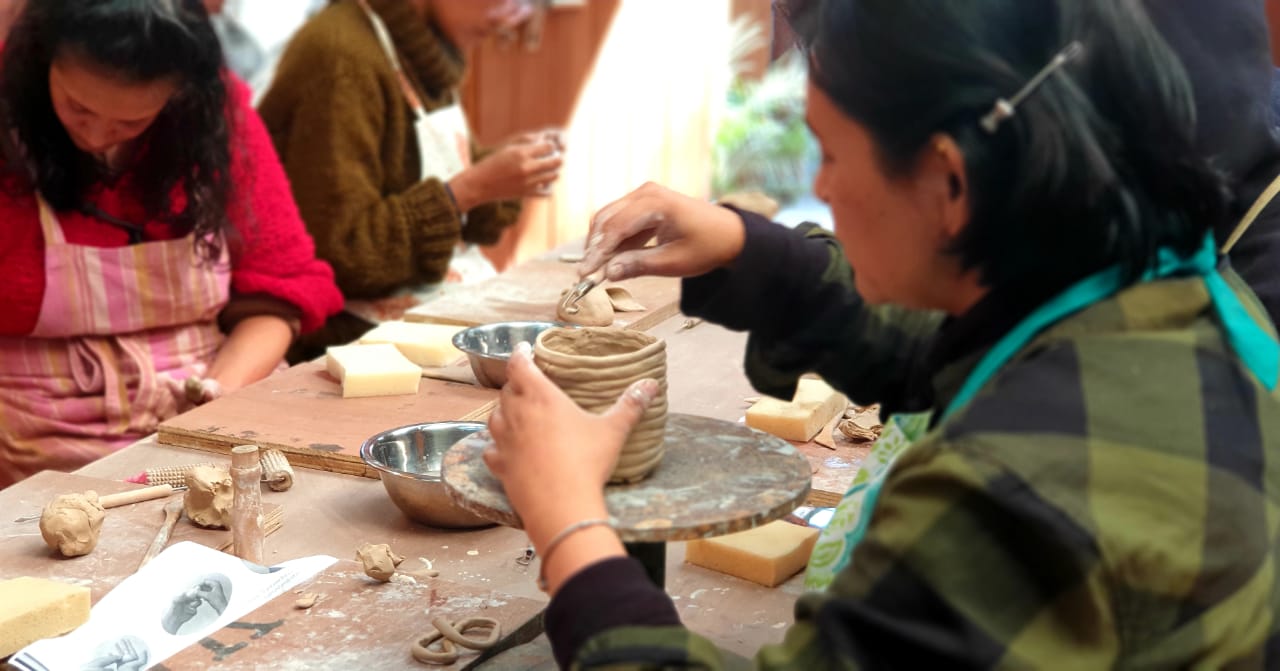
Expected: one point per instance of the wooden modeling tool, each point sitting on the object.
(172, 513)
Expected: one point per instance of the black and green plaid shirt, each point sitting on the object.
(1110, 499)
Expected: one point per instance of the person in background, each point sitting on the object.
(1094, 485)
(146, 226)
(364, 112)
(244, 55)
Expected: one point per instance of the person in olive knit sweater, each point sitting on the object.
(343, 124)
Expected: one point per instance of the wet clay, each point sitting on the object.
(379, 561)
(71, 523)
(594, 366)
(209, 497)
(598, 307)
(594, 309)
(623, 301)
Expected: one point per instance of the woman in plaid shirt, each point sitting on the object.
(1098, 485)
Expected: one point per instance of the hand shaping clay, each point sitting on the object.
(209, 496)
(594, 366)
(594, 309)
(379, 561)
(71, 523)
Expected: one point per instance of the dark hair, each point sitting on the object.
(1097, 167)
(186, 146)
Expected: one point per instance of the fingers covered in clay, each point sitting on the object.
(379, 561)
(595, 367)
(71, 523)
(209, 497)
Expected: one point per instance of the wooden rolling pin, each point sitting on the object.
(121, 499)
(135, 496)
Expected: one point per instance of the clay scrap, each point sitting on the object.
(71, 523)
(379, 561)
(209, 497)
(598, 307)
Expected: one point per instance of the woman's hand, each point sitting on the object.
(518, 170)
(554, 458)
(693, 236)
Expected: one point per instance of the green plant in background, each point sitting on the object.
(762, 143)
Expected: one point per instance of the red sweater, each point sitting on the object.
(275, 257)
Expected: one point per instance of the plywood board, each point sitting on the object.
(301, 412)
(531, 292)
(358, 623)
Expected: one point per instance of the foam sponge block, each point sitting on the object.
(428, 345)
(32, 609)
(800, 419)
(372, 370)
(767, 555)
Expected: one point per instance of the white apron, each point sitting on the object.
(444, 150)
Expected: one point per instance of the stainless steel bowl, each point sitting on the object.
(408, 459)
(489, 346)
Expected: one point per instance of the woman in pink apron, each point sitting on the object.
(146, 227)
(365, 113)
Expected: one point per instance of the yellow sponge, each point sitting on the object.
(767, 555)
(800, 419)
(32, 609)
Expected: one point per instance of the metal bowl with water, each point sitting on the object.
(408, 458)
(489, 346)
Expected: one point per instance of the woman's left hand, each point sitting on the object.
(552, 457)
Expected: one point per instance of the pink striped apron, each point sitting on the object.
(119, 329)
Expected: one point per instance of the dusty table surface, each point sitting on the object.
(333, 514)
(715, 478)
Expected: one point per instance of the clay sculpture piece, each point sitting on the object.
(209, 497)
(594, 366)
(379, 561)
(71, 523)
(598, 307)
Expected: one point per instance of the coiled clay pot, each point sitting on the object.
(594, 366)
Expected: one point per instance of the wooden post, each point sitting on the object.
(246, 506)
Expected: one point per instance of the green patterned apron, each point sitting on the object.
(1252, 344)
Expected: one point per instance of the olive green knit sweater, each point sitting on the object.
(343, 128)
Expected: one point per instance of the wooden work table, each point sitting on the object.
(333, 514)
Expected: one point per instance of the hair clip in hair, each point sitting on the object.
(1005, 108)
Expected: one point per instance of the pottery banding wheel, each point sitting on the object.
(716, 478)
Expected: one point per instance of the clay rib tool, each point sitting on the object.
(172, 512)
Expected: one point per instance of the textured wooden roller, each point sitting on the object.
(276, 471)
(174, 476)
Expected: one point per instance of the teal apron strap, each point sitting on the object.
(1259, 352)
